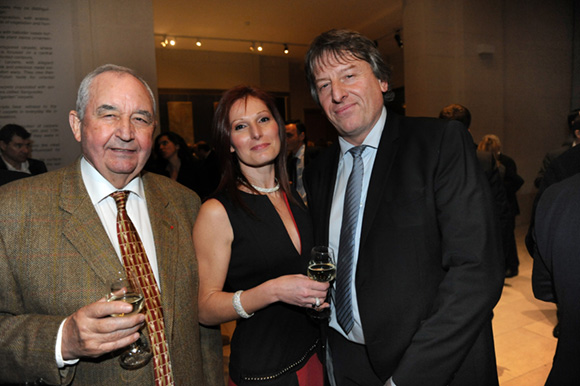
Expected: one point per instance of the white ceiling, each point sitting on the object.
(295, 22)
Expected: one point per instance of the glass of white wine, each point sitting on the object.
(322, 268)
(125, 287)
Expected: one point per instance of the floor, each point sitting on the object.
(522, 328)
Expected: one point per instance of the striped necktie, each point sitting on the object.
(344, 275)
(134, 257)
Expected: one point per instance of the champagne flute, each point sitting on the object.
(321, 268)
(126, 288)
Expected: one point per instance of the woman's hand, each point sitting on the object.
(300, 291)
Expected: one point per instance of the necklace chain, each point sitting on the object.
(267, 190)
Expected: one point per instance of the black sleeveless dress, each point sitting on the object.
(269, 347)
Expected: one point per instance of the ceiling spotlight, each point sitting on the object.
(260, 48)
(286, 49)
(171, 41)
(164, 42)
(198, 42)
(252, 47)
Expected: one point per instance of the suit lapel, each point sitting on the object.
(388, 147)
(86, 233)
(166, 246)
(84, 229)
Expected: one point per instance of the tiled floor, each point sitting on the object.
(522, 327)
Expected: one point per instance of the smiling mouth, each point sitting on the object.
(260, 146)
(343, 109)
(121, 150)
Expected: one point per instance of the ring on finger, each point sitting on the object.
(317, 304)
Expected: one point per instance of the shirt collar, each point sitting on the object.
(372, 139)
(24, 166)
(99, 188)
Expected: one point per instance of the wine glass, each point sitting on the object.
(126, 288)
(321, 268)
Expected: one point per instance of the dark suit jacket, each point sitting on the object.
(430, 269)
(548, 158)
(35, 166)
(556, 272)
(7, 176)
(55, 257)
(560, 168)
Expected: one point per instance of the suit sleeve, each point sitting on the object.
(27, 341)
(542, 274)
(472, 263)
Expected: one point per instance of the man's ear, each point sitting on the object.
(383, 85)
(75, 124)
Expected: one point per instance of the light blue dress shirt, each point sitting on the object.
(344, 168)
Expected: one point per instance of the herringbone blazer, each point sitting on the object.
(55, 257)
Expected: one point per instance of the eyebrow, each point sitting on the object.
(267, 111)
(104, 108)
(348, 67)
(144, 112)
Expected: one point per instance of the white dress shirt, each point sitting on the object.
(99, 190)
(24, 166)
(344, 168)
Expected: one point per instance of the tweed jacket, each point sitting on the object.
(55, 257)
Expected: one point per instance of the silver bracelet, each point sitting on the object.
(238, 306)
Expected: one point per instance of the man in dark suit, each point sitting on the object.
(550, 156)
(557, 269)
(15, 150)
(560, 168)
(60, 251)
(426, 263)
(299, 155)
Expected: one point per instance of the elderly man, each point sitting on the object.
(60, 248)
(404, 203)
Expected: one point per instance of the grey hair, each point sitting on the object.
(84, 89)
(342, 45)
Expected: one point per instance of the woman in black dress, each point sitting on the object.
(252, 241)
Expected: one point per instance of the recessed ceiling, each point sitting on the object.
(294, 22)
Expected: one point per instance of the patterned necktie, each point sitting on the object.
(344, 274)
(134, 257)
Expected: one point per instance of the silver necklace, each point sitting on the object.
(267, 190)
